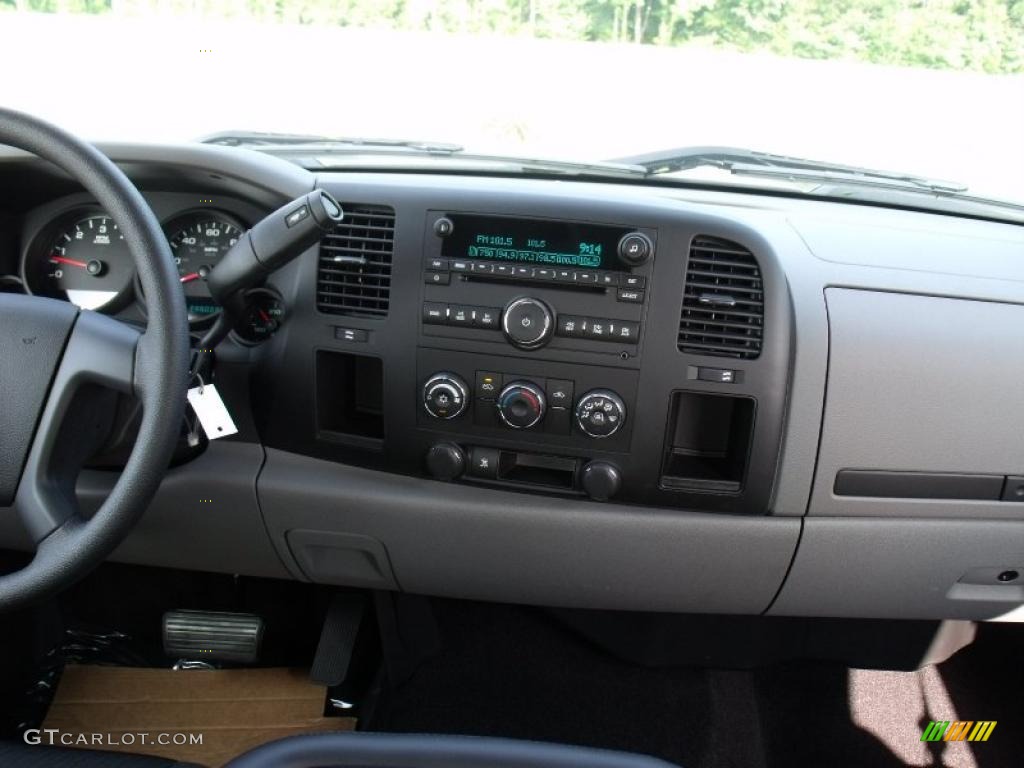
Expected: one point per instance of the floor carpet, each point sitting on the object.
(514, 672)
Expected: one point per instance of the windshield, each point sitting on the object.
(933, 90)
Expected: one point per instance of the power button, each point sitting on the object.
(527, 323)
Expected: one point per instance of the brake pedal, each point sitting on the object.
(213, 636)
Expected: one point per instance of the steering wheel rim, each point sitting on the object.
(84, 353)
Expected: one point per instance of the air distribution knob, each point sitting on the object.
(600, 413)
(446, 461)
(528, 323)
(600, 480)
(521, 404)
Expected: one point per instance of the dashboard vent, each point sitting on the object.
(354, 276)
(723, 301)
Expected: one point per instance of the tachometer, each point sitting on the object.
(85, 262)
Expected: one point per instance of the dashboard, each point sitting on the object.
(578, 393)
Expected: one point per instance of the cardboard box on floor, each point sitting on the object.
(232, 710)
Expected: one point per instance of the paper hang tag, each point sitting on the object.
(212, 413)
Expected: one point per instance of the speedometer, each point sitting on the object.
(199, 240)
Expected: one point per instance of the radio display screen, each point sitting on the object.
(529, 241)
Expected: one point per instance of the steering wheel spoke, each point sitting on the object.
(99, 360)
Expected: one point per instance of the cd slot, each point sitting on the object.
(533, 283)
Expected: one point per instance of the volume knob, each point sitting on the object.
(527, 323)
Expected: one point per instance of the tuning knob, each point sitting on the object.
(446, 461)
(528, 323)
(635, 248)
(521, 404)
(600, 480)
(445, 395)
(600, 413)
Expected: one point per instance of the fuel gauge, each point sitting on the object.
(263, 315)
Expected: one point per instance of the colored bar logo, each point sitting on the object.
(958, 730)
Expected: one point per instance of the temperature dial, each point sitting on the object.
(445, 395)
(600, 413)
(521, 404)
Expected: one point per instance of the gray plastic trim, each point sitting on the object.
(921, 384)
(467, 542)
(180, 529)
(904, 569)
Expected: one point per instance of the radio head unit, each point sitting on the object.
(537, 242)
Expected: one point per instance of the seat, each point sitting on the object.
(19, 755)
(389, 750)
(348, 750)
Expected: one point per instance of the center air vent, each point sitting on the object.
(354, 277)
(723, 301)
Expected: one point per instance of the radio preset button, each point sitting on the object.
(505, 270)
(435, 313)
(523, 271)
(527, 323)
(458, 265)
(483, 267)
(608, 278)
(589, 278)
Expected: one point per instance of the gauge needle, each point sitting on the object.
(72, 262)
(190, 277)
(264, 316)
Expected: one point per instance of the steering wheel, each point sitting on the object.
(59, 369)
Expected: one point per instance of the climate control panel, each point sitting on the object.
(590, 406)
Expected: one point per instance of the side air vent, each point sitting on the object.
(723, 301)
(354, 277)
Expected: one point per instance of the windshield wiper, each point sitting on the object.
(299, 141)
(748, 162)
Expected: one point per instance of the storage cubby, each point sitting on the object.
(349, 391)
(708, 442)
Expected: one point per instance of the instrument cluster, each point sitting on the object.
(80, 256)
